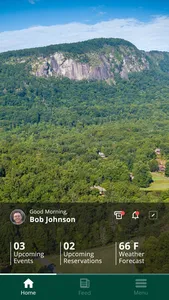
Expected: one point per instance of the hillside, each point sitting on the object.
(53, 125)
(97, 59)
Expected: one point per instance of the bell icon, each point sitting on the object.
(135, 215)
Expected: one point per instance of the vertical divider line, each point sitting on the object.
(10, 251)
(60, 253)
(115, 253)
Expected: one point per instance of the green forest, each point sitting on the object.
(86, 141)
(63, 140)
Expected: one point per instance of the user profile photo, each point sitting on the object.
(17, 217)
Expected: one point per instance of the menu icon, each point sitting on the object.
(141, 283)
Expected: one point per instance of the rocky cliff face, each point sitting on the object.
(60, 66)
(96, 59)
(101, 65)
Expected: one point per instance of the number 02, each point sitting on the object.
(69, 246)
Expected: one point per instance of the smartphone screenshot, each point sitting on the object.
(84, 149)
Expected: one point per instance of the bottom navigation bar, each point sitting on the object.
(75, 286)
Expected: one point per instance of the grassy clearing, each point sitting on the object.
(161, 183)
(106, 253)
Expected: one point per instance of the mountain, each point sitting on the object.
(86, 82)
(100, 64)
(62, 105)
(97, 59)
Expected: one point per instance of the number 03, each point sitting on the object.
(19, 246)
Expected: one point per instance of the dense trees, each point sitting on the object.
(167, 169)
(53, 129)
(51, 133)
(73, 48)
(156, 251)
(153, 165)
(48, 163)
(2, 171)
(29, 100)
(142, 175)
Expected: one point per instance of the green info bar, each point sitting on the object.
(84, 239)
(84, 286)
(95, 251)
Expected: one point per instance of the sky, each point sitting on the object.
(34, 23)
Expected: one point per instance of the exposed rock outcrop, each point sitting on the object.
(100, 66)
(60, 66)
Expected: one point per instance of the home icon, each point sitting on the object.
(28, 284)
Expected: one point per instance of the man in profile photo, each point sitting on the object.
(17, 217)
